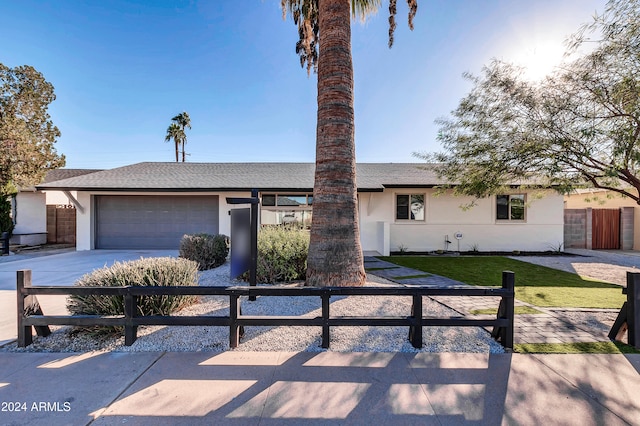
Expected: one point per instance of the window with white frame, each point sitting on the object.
(410, 206)
(510, 207)
(286, 209)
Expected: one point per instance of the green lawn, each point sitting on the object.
(575, 348)
(517, 310)
(535, 284)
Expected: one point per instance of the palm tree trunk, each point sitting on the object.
(335, 255)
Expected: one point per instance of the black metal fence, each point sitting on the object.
(628, 319)
(4, 243)
(30, 315)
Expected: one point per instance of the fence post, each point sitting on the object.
(633, 309)
(25, 338)
(27, 305)
(415, 331)
(234, 330)
(130, 309)
(325, 319)
(508, 283)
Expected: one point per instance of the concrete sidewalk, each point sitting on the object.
(251, 388)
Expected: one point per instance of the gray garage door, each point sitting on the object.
(152, 221)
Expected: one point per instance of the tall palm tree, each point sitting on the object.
(183, 120)
(335, 254)
(175, 132)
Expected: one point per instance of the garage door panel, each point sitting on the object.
(152, 221)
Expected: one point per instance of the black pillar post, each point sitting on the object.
(254, 241)
(633, 309)
(253, 237)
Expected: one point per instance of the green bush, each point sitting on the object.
(209, 251)
(6, 223)
(159, 271)
(282, 254)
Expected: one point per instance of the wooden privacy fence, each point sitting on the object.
(605, 229)
(30, 314)
(61, 224)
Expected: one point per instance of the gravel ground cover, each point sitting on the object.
(343, 339)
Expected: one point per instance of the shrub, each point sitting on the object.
(6, 223)
(282, 254)
(209, 251)
(159, 271)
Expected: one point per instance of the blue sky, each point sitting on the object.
(122, 69)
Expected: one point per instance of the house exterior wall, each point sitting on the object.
(84, 222)
(381, 232)
(59, 198)
(541, 230)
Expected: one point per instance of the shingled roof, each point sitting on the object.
(59, 174)
(198, 177)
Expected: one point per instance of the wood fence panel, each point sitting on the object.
(61, 224)
(606, 229)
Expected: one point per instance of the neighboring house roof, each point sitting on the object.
(198, 177)
(59, 174)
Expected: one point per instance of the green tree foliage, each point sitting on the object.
(176, 131)
(579, 127)
(27, 135)
(6, 223)
(305, 16)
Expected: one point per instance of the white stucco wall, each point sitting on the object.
(84, 222)
(379, 231)
(542, 230)
(224, 217)
(59, 198)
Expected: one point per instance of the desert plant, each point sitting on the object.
(282, 254)
(159, 271)
(209, 251)
(557, 248)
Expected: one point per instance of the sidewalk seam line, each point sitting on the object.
(570, 382)
(422, 385)
(266, 399)
(135, 379)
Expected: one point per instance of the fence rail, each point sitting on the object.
(30, 314)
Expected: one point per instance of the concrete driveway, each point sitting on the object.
(55, 269)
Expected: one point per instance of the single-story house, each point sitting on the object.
(151, 205)
(29, 211)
